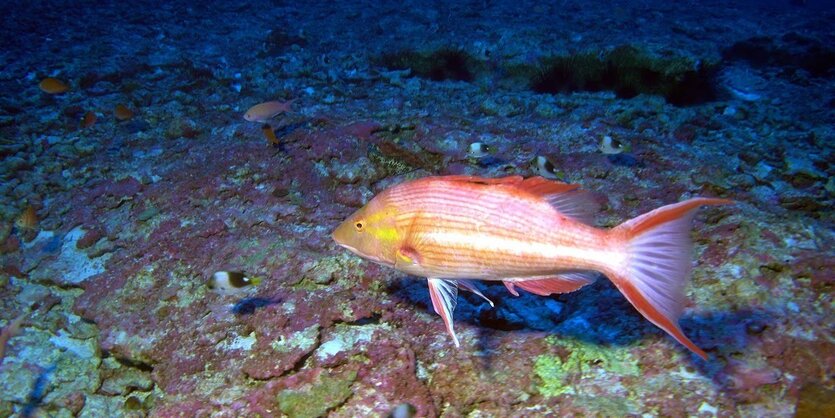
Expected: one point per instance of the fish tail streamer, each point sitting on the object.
(657, 265)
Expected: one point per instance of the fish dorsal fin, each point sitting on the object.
(484, 180)
(566, 198)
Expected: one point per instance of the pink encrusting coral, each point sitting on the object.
(738, 375)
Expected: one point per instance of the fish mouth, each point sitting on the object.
(349, 248)
(373, 259)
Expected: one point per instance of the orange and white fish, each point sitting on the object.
(534, 234)
(264, 112)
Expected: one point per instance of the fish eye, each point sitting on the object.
(359, 225)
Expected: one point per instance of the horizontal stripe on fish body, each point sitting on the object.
(451, 255)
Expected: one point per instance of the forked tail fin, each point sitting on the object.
(657, 265)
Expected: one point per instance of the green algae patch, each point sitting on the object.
(584, 361)
(315, 400)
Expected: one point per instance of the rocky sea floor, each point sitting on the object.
(122, 195)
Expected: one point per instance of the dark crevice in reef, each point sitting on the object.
(134, 364)
(374, 319)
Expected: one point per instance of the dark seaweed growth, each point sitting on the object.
(278, 41)
(628, 72)
(443, 64)
(791, 52)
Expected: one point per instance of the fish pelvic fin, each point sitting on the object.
(657, 265)
(444, 295)
(472, 287)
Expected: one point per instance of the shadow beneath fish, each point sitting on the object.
(597, 314)
(248, 305)
(39, 389)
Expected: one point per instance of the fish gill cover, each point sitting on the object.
(129, 176)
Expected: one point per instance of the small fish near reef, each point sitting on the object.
(611, 146)
(88, 120)
(122, 112)
(51, 85)
(267, 111)
(28, 219)
(229, 282)
(533, 234)
(479, 150)
(543, 167)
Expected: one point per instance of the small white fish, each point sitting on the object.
(231, 281)
(611, 146)
(542, 166)
(479, 150)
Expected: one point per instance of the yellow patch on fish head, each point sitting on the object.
(371, 232)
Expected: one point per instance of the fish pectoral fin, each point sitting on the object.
(546, 285)
(471, 286)
(407, 256)
(444, 295)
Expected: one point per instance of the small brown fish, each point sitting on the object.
(51, 85)
(122, 112)
(269, 133)
(89, 119)
(28, 219)
(266, 111)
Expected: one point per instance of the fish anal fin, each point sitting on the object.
(547, 285)
(444, 294)
(511, 287)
